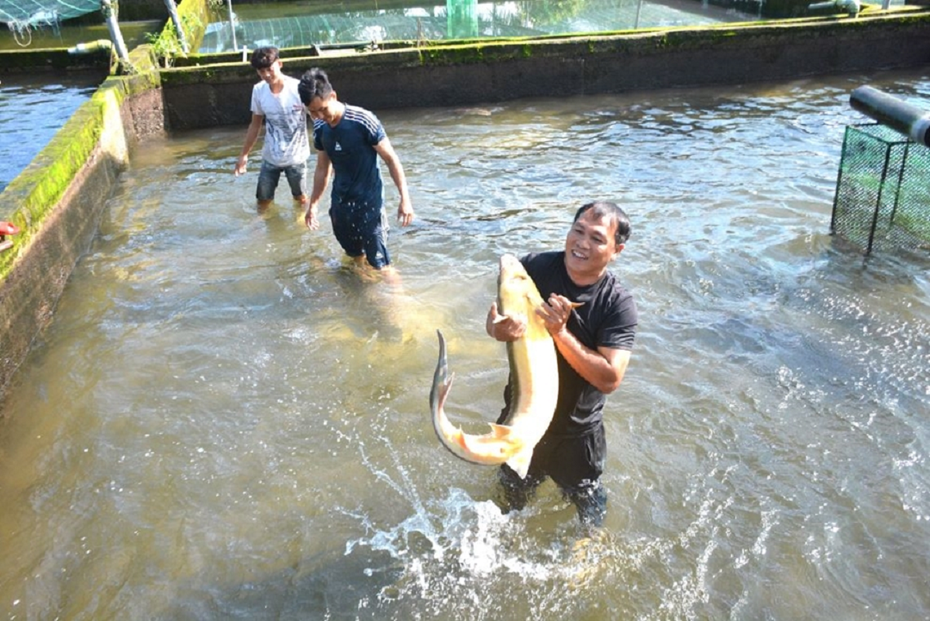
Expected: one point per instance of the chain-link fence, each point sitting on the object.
(882, 190)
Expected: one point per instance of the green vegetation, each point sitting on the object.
(166, 46)
(45, 181)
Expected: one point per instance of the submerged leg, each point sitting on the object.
(517, 492)
(590, 498)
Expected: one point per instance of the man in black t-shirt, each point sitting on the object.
(592, 319)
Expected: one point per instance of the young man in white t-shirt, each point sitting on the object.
(276, 103)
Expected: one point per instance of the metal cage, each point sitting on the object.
(883, 190)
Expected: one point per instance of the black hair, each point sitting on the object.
(264, 57)
(614, 215)
(314, 83)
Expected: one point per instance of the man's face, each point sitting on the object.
(272, 73)
(590, 246)
(324, 108)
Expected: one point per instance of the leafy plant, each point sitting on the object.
(166, 46)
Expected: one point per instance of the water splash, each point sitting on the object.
(395, 539)
(455, 555)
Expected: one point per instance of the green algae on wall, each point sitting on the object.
(37, 190)
(194, 17)
(57, 201)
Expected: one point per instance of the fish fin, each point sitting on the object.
(499, 431)
(445, 387)
(520, 463)
(472, 443)
(577, 304)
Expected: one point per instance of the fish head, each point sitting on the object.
(516, 292)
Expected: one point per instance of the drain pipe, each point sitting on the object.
(851, 7)
(890, 111)
(109, 11)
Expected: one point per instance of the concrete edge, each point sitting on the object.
(58, 199)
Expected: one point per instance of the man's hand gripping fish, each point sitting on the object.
(533, 373)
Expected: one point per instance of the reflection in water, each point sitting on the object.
(218, 425)
(297, 25)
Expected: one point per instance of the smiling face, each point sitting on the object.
(590, 247)
(326, 108)
(272, 74)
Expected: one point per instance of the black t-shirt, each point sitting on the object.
(606, 318)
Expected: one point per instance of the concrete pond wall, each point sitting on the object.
(58, 200)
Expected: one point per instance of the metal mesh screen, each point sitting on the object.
(883, 190)
(21, 16)
(43, 12)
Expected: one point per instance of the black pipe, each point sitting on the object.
(890, 111)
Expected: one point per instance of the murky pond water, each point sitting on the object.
(225, 422)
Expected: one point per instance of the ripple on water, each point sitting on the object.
(220, 399)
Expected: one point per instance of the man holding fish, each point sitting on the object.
(592, 320)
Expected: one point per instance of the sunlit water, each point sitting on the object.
(224, 422)
(32, 109)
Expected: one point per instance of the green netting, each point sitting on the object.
(23, 15)
(883, 190)
(335, 29)
(327, 24)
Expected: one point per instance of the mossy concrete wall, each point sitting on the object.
(57, 201)
(454, 74)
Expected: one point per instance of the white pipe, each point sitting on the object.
(90, 48)
(173, 12)
(232, 27)
(116, 36)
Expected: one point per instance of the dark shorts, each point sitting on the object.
(361, 229)
(574, 463)
(270, 174)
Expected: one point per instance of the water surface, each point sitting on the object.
(33, 108)
(225, 422)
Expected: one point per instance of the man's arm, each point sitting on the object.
(320, 179)
(387, 153)
(603, 368)
(251, 135)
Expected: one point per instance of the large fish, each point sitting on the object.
(534, 376)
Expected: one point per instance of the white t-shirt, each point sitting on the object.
(286, 141)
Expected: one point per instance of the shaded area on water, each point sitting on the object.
(225, 422)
